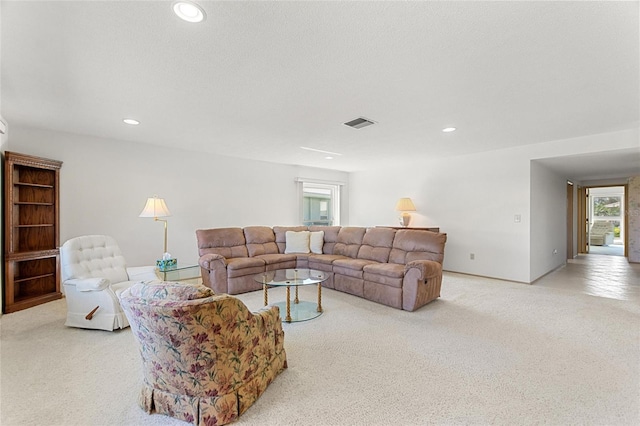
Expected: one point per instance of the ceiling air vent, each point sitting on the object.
(359, 123)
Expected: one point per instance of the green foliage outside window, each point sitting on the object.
(606, 206)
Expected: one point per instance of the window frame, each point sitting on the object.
(336, 192)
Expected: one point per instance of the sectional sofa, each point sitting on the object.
(399, 268)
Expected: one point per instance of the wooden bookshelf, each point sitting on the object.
(32, 231)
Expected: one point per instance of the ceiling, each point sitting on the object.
(596, 166)
(260, 80)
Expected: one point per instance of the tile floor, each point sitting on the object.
(598, 275)
(611, 249)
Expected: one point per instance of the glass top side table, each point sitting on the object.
(180, 272)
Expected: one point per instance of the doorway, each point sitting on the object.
(602, 211)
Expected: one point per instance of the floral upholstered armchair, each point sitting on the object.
(206, 358)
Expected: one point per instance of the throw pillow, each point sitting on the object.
(316, 241)
(296, 242)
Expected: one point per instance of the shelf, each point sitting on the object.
(24, 302)
(20, 280)
(32, 231)
(31, 203)
(36, 185)
(31, 255)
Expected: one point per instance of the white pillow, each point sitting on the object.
(316, 241)
(296, 242)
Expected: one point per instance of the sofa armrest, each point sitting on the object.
(212, 261)
(421, 284)
(142, 273)
(269, 317)
(214, 272)
(426, 268)
(89, 284)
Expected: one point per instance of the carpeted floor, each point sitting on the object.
(486, 352)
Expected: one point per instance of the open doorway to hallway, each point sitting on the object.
(603, 276)
(603, 210)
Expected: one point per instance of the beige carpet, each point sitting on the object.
(486, 352)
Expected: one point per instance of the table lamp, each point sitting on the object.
(405, 205)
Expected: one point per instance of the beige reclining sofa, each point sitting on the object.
(398, 268)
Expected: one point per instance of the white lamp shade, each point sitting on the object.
(405, 205)
(155, 207)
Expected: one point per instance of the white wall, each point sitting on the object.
(471, 198)
(105, 183)
(548, 221)
(474, 199)
(3, 143)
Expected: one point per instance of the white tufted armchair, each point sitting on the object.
(94, 274)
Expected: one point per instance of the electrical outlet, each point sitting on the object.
(517, 218)
(555, 251)
(472, 256)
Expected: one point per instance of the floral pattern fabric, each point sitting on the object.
(205, 360)
(169, 290)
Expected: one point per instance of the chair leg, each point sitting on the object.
(90, 314)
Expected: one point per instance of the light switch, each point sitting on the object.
(517, 218)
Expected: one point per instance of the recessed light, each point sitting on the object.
(449, 129)
(320, 150)
(131, 121)
(188, 11)
(328, 157)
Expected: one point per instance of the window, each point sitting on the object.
(606, 206)
(320, 203)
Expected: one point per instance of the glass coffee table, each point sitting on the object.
(299, 310)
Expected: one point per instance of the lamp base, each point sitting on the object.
(405, 219)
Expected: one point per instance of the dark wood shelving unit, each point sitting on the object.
(32, 231)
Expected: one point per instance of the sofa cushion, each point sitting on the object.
(382, 280)
(376, 244)
(323, 262)
(392, 270)
(260, 240)
(297, 242)
(280, 233)
(330, 237)
(301, 257)
(324, 259)
(390, 274)
(227, 242)
(351, 267)
(349, 241)
(316, 241)
(409, 245)
(239, 263)
(272, 259)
